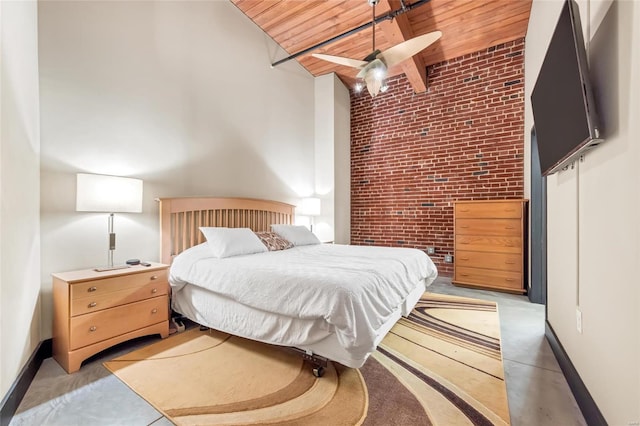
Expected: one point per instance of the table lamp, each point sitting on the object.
(108, 194)
(310, 207)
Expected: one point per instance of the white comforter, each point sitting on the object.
(354, 289)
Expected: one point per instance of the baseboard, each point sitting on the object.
(587, 405)
(12, 400)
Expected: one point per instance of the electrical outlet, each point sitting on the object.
(448, 258)
(579, 320)
(431, 250)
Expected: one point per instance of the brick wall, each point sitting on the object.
(412, 154)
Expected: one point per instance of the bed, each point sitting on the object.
(327, 301)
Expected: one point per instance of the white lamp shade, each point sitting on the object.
(110, 194)
(310, 207)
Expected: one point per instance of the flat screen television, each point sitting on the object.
(562, 99)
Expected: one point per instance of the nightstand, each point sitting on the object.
(93, 311)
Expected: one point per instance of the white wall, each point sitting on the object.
(180, 94)
(342, 162)
(332, 158)
(593, 230)
(19, 189)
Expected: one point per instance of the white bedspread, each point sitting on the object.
(354, 289)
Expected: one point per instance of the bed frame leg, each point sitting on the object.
(317, 370)
(319, 363)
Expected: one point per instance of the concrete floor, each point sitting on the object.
(537, 390)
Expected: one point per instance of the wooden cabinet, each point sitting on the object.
(93, 311)
(490, 244)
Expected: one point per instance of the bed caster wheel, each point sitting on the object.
(318, 371)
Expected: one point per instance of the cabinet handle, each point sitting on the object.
(93, 328)
(464, 258)
(464, 226)
(465, 275)
(464, 210)
(92, 304)
(154, 277)
(90, 289)
(464, 242)
(508, 227)
(154, 311)
(509, 262)
(509, 279)
(509, 210)
(155, 290)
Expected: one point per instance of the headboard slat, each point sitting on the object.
(181, 219)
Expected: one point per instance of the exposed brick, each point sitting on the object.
(408, 147)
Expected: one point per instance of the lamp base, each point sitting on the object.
(110, 268)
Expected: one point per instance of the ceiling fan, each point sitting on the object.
(373, 68)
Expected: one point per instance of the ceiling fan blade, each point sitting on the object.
(398, 53)
(353, 63)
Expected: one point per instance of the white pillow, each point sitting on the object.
(227, 242)
(297, 235)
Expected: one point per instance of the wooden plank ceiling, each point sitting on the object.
(467, 26)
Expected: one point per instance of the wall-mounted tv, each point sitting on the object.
(562, 99)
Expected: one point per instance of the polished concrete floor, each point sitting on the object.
(537, 391)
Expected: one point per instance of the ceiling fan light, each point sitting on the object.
(358, 86)
(373, 85)
(379, 73)
(384, 86)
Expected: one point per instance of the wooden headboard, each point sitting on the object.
(181, 219)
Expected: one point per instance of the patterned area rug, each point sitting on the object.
(440, 366)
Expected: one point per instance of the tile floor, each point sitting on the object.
(538, 393)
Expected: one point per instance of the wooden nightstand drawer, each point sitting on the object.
(498, 227)
(489, 210)
(109, 285)
(489, 277)
(104, 300)
(500, 261)
(91, 328)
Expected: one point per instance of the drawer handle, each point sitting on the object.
(464, 210)
(154, 277)
(154, 311)
(155, 290)
(93, 304)
(90, 289)
(509, 262)
(510, 210)
(509, 279)
(509, 227)
(464, 242)
(464, 258)
(464, 226)
(465, 275)
(93, 328)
